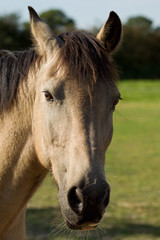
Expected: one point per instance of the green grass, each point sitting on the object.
(132, 169)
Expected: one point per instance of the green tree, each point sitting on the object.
(58, 21)
(15, 35)
(140, 22)
(139, 54)
(12, 34)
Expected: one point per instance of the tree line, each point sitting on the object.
(138, 56)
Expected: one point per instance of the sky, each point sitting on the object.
(87, 13)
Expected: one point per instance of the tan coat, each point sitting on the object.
(56, 115)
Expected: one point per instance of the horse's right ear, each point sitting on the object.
(45, 38)
(110, 33)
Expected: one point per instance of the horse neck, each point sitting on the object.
(20, 170)
(16, 123)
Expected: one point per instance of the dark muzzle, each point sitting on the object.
(88, 203)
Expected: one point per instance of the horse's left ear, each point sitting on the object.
(45, 38)
(110, 33)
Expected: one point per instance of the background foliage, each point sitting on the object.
(138, 56)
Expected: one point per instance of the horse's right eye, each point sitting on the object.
(48, 96)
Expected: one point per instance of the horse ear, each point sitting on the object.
(43, 35)
(110, 33)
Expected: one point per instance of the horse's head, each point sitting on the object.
(75, 99)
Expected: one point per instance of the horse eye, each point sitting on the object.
(48, 96)
(115, 103)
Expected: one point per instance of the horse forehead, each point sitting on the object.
(79, 88)
(93, 99)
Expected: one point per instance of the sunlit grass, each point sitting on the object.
(132, 169)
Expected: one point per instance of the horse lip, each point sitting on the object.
(85, 227)
(89, 227)
(72, 226)
(93, 225)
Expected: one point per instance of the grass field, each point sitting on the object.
(132, 169)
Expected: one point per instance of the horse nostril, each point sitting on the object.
(104, 196)
(75, 200)
(106, 199)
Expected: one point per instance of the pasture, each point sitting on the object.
(133, 171)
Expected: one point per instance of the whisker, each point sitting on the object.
(70, 233)
(87, 235)
(102, 232)
(97, 233)
(101, 229)
(66, 230)
(57, 229)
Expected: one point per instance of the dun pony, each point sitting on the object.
(56, 105)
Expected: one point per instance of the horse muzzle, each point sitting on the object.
(86, 205)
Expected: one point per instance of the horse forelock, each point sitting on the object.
(83, 57)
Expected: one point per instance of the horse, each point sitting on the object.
(57, 100)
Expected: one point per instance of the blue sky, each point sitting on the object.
(87, 13)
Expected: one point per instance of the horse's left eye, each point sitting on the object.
(48, 96)
(115, 103)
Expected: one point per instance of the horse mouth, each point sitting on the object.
(85, 227)
(82, 209)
